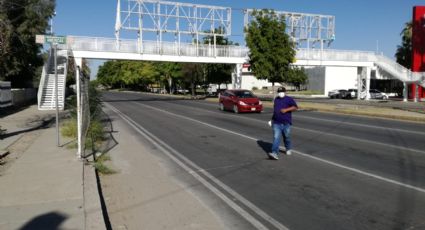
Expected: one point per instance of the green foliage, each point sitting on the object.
(297, 77)
(70, 77)
(271, 51)
(69, 129)
(218, 73)
(20, 21)
(170, 71)
(404, 51)
(100, 166)
(95, 131)
(132, 74)
(192, 74)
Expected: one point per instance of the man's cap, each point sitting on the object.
(281, 90)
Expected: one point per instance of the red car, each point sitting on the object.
(240, 100)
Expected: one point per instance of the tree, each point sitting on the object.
(218, 73)
(20, 21)
(404, 51)
(132, 74)
(170, 71)
(271, 50)
(70, 76)
(192, 73)
(297, 77)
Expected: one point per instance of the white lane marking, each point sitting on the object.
(172, 153)
(364, 125)
(348, 123)
(301, 153)
(336, 135)
(363, 172)
(362, 140)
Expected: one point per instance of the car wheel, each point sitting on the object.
(385, 97)
(235, 109)
(221, 106)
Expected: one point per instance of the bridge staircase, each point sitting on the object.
(46, 90)
(400, 72)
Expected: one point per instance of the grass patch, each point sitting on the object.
(99, 165)
(69, 129)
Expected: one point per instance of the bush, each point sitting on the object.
(101, 167)
(69, 129)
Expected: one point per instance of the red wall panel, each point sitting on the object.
(418, 43)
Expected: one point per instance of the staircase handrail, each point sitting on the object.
(42, 82)
(65, 72)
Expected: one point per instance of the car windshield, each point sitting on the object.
(244, 94)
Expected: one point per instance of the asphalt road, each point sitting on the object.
(346, 172)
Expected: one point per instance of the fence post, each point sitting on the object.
(78, 65)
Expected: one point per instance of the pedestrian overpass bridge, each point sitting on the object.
(111, 49)
(194, 22)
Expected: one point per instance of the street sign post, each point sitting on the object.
(53, 41)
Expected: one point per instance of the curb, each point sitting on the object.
(94, 216)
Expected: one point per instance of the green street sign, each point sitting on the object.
(55, 39)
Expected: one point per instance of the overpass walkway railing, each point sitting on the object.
(96, 44)
(154, 47)
(381, 61)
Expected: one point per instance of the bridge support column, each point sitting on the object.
(368, 70)
(237, 76)
(363, 86)
(405, 91)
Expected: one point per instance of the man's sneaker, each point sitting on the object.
(288, 152)
(273, 156)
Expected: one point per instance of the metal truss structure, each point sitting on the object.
(160, 17)
(305, 29)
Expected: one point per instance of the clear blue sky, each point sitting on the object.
(360, 24)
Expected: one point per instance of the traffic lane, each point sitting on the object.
(384, 160)
(129, 163)
(345, 119)
(397, 137)
(299, 192)
(381, 159)
(365, 121)
(349, 120)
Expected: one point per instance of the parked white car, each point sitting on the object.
(376, 94)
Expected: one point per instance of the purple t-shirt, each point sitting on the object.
(283, 103)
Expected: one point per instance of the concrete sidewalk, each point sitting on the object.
(43, 186)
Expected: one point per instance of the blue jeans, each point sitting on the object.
(278, 131)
